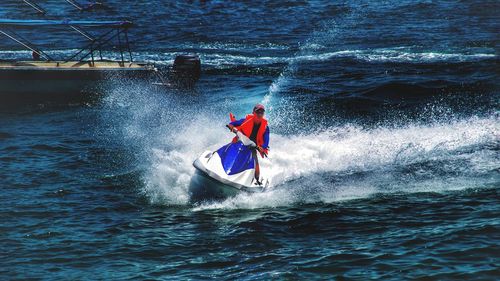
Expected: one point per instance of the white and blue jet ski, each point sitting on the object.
(230, 170)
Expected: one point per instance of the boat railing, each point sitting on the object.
(97, 44)
(117, 30)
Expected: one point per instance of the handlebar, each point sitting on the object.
(246, 141)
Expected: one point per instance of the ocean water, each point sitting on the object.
(385, 144)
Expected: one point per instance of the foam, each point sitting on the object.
(352, 148)
(332, 164)
(307, 169)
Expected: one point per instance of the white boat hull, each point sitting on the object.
(42, 79)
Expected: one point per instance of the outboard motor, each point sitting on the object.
(187, 69)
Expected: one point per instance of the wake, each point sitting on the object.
(342, 163)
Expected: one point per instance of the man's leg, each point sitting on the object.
(257, 166)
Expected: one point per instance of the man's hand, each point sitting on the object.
(262, 151)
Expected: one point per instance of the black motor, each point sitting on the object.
(187, 68)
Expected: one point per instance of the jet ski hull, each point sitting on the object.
(203, 188)
(225, 173)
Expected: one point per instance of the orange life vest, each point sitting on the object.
(247, 126)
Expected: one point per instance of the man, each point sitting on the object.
(254, 126)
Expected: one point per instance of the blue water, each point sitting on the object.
(385, 147)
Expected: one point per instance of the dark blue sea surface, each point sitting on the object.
(385, 140)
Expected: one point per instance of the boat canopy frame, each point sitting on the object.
(117, 30)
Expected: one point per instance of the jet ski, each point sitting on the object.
(230, 170)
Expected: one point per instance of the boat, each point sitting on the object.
(229, 171)
(80, 72)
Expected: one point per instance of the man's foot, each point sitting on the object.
(258, 182)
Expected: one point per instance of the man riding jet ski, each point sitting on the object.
(236, 166)
(254, 126)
